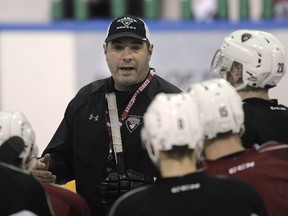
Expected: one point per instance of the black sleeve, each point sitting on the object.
(60, 148)
(61, 145)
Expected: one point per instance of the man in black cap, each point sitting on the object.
(98, 142)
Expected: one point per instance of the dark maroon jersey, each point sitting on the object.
(66, 202)
(265, 168)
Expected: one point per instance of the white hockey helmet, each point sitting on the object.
(220, 107)
(261, 55)
(171, 120)
(17, 138)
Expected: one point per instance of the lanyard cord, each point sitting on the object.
(114, 125)
(114, 131)
(133, 98)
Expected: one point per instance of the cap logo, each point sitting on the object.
(127, 26)
(126, 21)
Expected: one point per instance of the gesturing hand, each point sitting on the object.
(41, 170)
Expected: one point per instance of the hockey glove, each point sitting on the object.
(116, 184)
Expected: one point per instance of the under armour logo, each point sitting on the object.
(94, 117)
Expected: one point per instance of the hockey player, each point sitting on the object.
(254, 62)
(222, 119)
(20, 191)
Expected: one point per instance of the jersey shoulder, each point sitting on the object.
(129, 201)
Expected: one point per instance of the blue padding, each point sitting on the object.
(154, 25)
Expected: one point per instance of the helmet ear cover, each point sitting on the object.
(261, 54)
(175, 125)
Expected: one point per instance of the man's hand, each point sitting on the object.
(41, 170)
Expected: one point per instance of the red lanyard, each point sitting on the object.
(133, 98)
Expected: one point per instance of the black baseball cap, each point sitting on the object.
(127, 26)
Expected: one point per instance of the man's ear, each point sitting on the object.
(105, 48)
(150, 50)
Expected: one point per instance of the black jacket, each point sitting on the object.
(265, 120)
(80, 146)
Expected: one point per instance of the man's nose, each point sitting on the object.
(127, 54)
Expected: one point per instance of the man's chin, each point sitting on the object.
(126, 72)
(126, 83)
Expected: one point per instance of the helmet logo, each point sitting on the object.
(245, 37)
(251, 78)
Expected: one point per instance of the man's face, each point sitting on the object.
(234, 76)
(128, 61)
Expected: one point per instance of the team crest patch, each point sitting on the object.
(132, 122)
